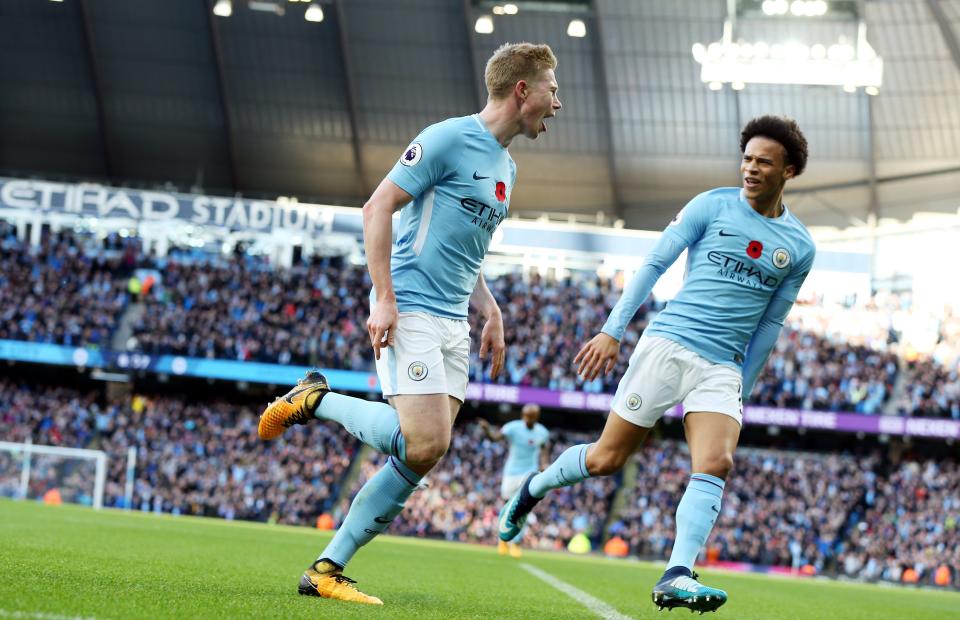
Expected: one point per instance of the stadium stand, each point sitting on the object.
(462, 495)
(243, 308)
(780, 508)
(855, 515)
(192, 458)
(59, 293)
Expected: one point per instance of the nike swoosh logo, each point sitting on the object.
(714, 508)
(503, 522)
(382, 520)
(477, 177)
(723, 234)
(289, 397)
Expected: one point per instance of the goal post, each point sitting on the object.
(29, 471)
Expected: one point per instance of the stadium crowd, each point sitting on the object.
(546, 320)
(910, 528)
(779, 508)
(58, 293)
(810, 371)
(192, 458)
(72, 290)
(312, 314)
(855, 515)
(931, 389)
(460, 499)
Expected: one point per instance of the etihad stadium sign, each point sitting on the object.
(92, 200)
(533, 238)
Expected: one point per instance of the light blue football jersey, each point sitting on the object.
(461, 179)
(525, 445)
(737, 260)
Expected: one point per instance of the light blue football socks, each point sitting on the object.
(698, 509)
(377, 504)
(382, 498)
(569, 468)
(374, 423)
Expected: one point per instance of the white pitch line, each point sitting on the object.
(592, 603)
(39, 615)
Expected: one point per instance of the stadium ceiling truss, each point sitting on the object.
(265, 103)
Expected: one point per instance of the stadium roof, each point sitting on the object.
(149, 92)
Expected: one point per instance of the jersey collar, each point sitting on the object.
(486, 131)
(783, 217)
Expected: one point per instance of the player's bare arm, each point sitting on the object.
(491, 338)
(599, 354)
(387, 199)
(491, 433)
(544, 460)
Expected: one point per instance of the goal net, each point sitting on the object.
(52, 474)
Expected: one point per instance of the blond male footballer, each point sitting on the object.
(453, 186)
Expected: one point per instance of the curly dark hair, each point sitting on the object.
(783, 130)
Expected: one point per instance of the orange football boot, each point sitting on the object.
(294, 407)
(326, 580)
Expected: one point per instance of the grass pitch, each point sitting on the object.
(68, 562)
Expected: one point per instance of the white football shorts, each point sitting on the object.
(429, 355)
(511, 484)
(663, 373)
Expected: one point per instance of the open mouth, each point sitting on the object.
(751, 183)
(543, 123)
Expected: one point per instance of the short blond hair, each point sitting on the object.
(513, 62)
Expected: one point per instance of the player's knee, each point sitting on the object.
(426, 452)
(718, 465)
(605, 463)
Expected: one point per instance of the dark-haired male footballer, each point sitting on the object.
(527, 440)
(747, 257)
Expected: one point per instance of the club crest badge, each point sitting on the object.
(781, 258)
(417, 371)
